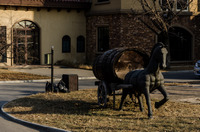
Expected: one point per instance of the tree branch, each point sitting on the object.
(148, 26)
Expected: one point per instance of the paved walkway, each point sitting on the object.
(9, 92)
(170, 76)
(58, 72)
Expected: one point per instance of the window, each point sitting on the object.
(198, 5)
(182, 5)
(80, 44)
(66, 44)
(102, 0)
(3, 44)
(26, 43)
(165, 5)
(103, 39)
(180, 44)
(170, 4)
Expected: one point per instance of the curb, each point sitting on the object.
(181, 71)
(28, 81)
(29, 124)
(80, 78)
(43, 80)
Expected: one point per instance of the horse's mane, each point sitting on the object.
(159, 44)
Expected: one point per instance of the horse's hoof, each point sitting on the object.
(157, 105)
(166, 99)
(150, 116)
(120, 109)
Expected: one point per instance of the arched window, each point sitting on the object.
(3, 44)
(80, 44)
(66, 44)
(180, 44)
(26, 43)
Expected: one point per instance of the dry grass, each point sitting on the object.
(86, 67)
(6, 75)
(78, 111)
(177, 83)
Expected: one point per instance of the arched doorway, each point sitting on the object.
(26, 46)
(180, 44)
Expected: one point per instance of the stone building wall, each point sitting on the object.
(126, 30)
(196, 31)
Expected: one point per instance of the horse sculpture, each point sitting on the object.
(147, 80)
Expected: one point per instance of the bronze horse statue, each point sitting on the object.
(147, 80)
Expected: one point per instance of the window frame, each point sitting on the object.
(184, 10)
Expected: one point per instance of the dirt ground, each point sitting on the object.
(184, 93)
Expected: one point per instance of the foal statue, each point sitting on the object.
(147, 80)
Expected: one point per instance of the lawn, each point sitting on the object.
(79, 111)
(6, 75)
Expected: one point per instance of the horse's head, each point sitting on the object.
(164, 58)
(160, 54)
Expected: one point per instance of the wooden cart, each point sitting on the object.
(105, 89)
(111, 67)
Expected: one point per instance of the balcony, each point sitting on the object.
(63, 4)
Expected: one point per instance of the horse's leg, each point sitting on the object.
(148, 101)
(165, 99)
(131, 96)
(124, 94)
(140, 103)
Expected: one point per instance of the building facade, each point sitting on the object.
(31, 28)
(119, 19)
(80, 30)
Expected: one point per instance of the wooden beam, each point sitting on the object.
(16, 8)
(27, 8)
(48, 9)
(58, 9)
(5, 7)
(38, 9)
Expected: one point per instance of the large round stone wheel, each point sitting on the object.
(102, 94)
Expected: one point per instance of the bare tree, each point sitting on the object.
(161, 13)
(3, 43)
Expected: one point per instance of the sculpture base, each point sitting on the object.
(71, 81)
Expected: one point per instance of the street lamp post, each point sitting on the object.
(52, 69)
